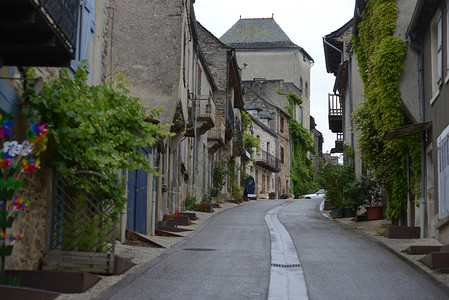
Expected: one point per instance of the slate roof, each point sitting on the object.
(252, 106)
(257, 34)
(265, 115)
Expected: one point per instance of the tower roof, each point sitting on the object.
(257, 34)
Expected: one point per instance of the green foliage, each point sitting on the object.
(190, 202)
(249, 140)
(363, 191)
(219, 176)
(336, 179)
(379, 57)
(97, 128)
(301, 171)
(236, 189)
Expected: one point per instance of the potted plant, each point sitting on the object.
(272, 195)
(263, 194)
(365, 192)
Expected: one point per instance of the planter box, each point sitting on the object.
(55, 281)
(349, 212)
(191, 215)
(374, 212)
(337, 212)
(14, 292)
(328, 205)
(98, 263)
(182, 220)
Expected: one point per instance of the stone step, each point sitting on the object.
(436, 260)
(422, 249)
(402, 232)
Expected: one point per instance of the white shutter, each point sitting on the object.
(443, 174)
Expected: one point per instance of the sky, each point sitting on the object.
(305, 22)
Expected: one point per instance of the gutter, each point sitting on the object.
(422, 118)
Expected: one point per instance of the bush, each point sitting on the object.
(364, 191)
(336, 179)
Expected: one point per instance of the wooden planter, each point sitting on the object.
(374, 212)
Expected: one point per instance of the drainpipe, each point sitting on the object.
(350, 99)
(123, 220)
(227, 84)
(155, 180)
(422, 118)
(294, 79)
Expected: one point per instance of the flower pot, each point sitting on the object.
(328, 205)
(374, 212)
(337, 212)
(349, 212)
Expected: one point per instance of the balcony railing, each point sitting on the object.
(38, 32)
(335, 113)
(217, 133)
(339, 144)
(267, 161)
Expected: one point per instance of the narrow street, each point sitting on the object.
(232, 257)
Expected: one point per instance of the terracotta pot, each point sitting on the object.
(374, 212)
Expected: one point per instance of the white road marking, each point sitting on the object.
(287, 278)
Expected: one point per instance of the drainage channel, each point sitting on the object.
(287, 277)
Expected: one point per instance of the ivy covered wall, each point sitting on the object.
(380, 57)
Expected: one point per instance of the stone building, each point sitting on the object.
(160, 55)
(225, 139)
(274, 115)
(270, 61)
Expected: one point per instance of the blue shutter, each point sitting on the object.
(9, 99)
(86, 33)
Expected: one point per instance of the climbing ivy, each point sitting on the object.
(379, 57)
(249, 140)
(301, 171)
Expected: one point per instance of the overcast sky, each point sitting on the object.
(304, 21)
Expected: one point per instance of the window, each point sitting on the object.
(447, 41)
(437, 53)
(198, 92)
(282, 155)
(300, 86)
(85, 43)
(300, 115)
(282, 124)
(307, 90)
(443, 173)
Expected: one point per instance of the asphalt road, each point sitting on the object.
(230, 258)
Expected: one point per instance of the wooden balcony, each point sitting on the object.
(335, 113)
(267, 161)
(339, 144)
(217, 133)
(38, 32)
(205, 116)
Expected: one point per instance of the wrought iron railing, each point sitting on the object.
(64, 14)
(267, 159)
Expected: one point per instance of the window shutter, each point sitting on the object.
(440, 49)
(86, 34)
